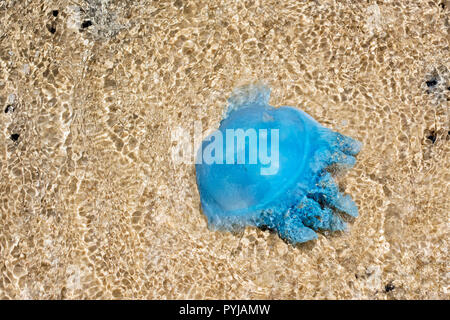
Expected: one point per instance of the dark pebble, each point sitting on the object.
(389, 287)
(432, 137)
(431, 83)
(55, 13)
(9, 108)
(86, 24)
(15, 136)
(51, 29)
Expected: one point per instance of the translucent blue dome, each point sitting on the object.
(266, 167)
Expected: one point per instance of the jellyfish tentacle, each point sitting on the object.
(328, 192)
(347, 145)
(289, 226)
(293, 230)
(316, 217)
(341, 159)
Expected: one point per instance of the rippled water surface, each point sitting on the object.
(91, 205)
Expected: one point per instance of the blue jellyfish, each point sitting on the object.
(270, 168)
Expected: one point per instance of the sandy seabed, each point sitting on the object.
(91, 205)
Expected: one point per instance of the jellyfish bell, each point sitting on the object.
(286, 186)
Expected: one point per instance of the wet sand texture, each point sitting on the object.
(91, 205)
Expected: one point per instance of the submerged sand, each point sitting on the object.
(91, 205)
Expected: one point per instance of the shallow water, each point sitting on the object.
(92, 206)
